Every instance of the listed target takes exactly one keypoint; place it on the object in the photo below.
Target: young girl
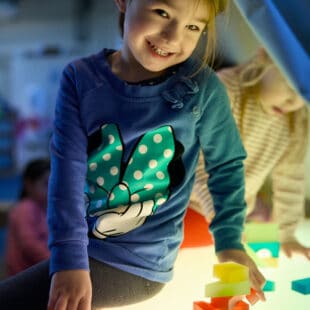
(27, 227)
(128, 129)
(273, 123)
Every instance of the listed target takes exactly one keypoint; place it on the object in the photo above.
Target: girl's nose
(172, 33)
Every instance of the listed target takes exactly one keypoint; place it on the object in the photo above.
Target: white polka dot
(135, 198)
(119, 148)
(122, 187)
(169, 129)
(161, 201)
(148, 187)
(111, 139)
(167, 153)
(130, 161)
(100, 181)
(143, 149)
(153, 163)
(114, 170)
(126, 183)
(157, 138)
(104, 126)
(112, 197)
(138, 175)
(160, 175)
(93, 166)
(106, 157)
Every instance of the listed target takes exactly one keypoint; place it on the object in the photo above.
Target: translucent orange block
(220, 302)
(231, 272)
(241, 305)
(252, 298)
(202, 305)
(221, 289)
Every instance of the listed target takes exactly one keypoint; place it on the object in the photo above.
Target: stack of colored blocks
(234, 280)
(228, 292)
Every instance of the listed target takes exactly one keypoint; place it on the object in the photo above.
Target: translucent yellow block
(221, 289)
(231, 272)
(272, 262)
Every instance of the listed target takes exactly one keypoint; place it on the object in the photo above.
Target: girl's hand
(70, 289)
(241, 257)
(295, 247)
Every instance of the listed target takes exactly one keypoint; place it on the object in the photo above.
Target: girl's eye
(161, 13)
(193, 28)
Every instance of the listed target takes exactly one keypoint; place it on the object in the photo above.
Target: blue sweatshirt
(123, 164)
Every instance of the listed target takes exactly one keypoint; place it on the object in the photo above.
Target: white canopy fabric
(283, 28)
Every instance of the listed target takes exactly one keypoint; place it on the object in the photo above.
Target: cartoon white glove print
(120, 196)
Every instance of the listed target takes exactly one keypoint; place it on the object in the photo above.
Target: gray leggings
(111, 287)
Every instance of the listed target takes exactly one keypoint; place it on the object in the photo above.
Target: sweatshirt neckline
(126, 89)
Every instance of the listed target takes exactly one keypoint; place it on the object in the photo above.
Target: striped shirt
(275, 149)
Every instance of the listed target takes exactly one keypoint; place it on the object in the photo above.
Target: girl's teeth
(159, 51)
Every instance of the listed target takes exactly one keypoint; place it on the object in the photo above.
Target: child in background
(273, 122)
(129, 125)
(27, 227)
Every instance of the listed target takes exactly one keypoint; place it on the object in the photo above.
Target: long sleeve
(223, 160)
(201, 199)
(288, 181)
(66, 213)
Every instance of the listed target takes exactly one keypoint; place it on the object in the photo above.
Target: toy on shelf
(231, 291)
(302, 286)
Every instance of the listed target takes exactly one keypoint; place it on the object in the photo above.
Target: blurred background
(37, 39)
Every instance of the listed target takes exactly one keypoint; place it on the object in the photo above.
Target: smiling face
(276, 96)
(159, 34)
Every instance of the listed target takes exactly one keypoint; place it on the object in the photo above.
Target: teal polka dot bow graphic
(120, 196)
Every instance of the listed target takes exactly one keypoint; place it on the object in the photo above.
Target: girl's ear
(121, 4)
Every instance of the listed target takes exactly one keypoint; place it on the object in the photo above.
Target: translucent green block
(273, 247)
(258, 261)
(269, 286)
(261, 232)
(220, 289)
(231, 272)
(301, 286)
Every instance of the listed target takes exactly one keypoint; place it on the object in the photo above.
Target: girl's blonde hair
(250, 76)
(215, 8)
